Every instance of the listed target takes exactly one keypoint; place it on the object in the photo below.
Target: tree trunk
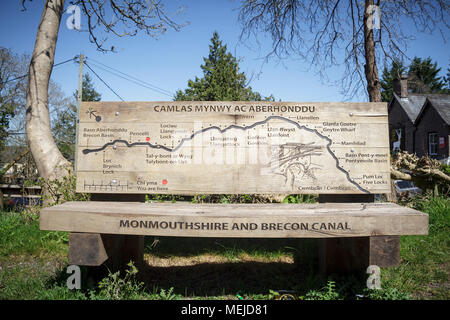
(370, 68)
(49, 161)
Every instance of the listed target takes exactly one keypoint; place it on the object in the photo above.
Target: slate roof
(412, 104)
(441, 103)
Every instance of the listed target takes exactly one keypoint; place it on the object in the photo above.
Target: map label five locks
(157, 147)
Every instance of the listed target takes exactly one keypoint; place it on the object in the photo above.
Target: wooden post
(79, 99)
(385, 251)
(352, 255)
(86, 249)
(115, 251)
(122, 249)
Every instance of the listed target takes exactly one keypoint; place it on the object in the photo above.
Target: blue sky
(175, 57)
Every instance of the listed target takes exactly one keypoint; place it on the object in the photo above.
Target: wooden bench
(337, 150)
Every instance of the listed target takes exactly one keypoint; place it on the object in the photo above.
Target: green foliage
(61, 190)
(328, 292)
(165, 295)
(388, 77)
(32, 280)
(424, 259)
(447, 79)
(113, 287)
(20, 234)
(88, 91)
(438, 209)
(64, 125)
(221, 80)
(6, 113)
(445, 168)
(423, 77)
(164, 197)
(273, 295)
(232, 198)
(442, 186)
(12, 86)
(386, 294)
(300, 198)
(63, 130)
(56, 236)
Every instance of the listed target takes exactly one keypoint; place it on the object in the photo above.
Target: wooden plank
(254, 147)
(33, 196)
(15, 186)
(323, 220)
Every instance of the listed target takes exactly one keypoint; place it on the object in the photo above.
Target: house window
(433, 143)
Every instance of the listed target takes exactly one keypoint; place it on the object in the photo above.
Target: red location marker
(164, 182)
(148, 138)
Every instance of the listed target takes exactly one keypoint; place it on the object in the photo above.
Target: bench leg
(122, 249)
(351, 255)
(354, 255)
(385, 251)
(343, 255)
(86, 249)
(115, 251)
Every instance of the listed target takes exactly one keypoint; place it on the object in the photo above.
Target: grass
(424, 269)
(20, 235)
(33, 266)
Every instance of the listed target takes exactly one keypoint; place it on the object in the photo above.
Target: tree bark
(370, 68)
(49, 161)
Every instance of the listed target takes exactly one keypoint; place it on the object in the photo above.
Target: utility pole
(79, 98)
(80, 82)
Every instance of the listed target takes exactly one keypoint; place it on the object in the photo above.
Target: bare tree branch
(318, 32)
(125, 18)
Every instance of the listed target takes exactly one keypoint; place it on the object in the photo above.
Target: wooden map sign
(233, 147)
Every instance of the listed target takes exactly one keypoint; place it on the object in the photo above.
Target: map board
(226, 147)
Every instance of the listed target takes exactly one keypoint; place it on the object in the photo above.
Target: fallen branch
(425, 171)
(398, 175)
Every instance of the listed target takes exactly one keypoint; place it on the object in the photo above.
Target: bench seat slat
(319, 220)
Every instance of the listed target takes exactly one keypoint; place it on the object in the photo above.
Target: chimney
(401, 86)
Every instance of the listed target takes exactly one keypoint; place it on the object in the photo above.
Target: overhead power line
(68, 60)
(111, 70)
(11, 80)
(26, 75)
(130, 78)
(87, 65)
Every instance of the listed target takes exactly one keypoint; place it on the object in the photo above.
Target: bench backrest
(226, 147)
